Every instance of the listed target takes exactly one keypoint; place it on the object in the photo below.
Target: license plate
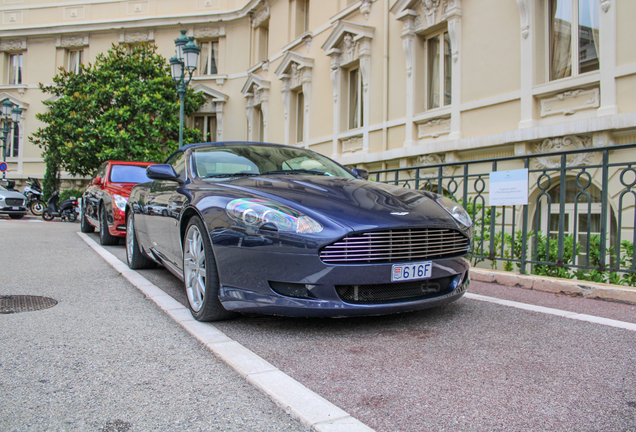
(15, 208)
(413, 271)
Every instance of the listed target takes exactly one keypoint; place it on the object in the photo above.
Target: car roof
(129, 163)
(236, 143)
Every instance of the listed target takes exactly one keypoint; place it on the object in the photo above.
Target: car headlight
(120, 201)
(260, 213)
(455, 210)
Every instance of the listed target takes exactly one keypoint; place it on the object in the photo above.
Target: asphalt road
(469, 366)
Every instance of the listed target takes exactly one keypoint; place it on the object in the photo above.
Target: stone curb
(311, 409)
(587, 289)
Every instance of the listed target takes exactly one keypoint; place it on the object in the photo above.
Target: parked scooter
(67, 209)
(33, 194)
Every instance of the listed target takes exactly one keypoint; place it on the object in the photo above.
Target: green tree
(122, 107)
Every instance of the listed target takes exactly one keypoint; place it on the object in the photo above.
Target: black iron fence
(579, 221)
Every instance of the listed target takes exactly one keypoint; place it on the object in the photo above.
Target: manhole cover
(24, 303)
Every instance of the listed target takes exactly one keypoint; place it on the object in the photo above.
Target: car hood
(362, 205)
(11, 194)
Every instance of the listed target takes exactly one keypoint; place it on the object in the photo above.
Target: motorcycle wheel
(72, 216)
(46, 216)
(37, 207)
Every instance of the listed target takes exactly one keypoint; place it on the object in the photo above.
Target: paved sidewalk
(105, 358)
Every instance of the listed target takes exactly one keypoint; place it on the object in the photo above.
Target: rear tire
(105, 239)
(47, 216)
(135, 257)
(200, 275)
(85, 227)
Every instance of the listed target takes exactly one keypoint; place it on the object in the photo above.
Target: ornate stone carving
(430, 11)
(570, 142)
(139, 36)
(452, 34)
(525, 20)
(352, 144)
(295, 75)
(569, 102)
(210, 32)
(605, 4)
(261, 16)
(72, 41)
(434, 128)
(431, 159)
(408, 44)
(12, 44)
(365, 8)
(307, 40)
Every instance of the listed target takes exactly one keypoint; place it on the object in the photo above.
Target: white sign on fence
(508, 188)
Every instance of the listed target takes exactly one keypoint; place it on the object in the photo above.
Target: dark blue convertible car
(266, 228)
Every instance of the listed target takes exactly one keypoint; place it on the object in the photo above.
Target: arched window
(582, 217)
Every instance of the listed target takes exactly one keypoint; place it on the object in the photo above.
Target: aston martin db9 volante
(274, 229)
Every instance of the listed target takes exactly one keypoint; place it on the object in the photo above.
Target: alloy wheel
(130, 239)
(194, 268)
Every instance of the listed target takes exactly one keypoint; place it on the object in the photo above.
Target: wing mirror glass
(362, 173)
(163, 172)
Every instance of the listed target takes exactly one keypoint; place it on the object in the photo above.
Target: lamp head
(16, 112)
(176, 68)
(191, 55)
(181, 42)
(6, 108)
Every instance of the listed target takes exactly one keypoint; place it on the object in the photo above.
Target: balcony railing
(579, 221)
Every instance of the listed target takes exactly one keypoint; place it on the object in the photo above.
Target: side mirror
(163, 172)
(362, 173)
(97, 181)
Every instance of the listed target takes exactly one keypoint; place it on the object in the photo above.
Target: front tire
(134, 256)
(47, 216)
(200, 275)
(105, 239)
(37, 207)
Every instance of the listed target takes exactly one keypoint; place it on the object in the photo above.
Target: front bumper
(246, 275)
(12, 211)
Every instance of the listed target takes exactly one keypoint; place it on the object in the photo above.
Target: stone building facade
(372, 83)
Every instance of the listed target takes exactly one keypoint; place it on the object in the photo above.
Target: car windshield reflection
(259, 160)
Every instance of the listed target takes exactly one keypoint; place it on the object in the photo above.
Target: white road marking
(312, 410)
(551, 311)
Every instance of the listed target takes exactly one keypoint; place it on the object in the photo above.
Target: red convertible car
(104, 200)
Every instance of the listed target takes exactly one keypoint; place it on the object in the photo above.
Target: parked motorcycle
(33, 194)
(67, 209)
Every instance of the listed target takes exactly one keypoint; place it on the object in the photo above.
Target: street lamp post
(182, 66)
(10, 113)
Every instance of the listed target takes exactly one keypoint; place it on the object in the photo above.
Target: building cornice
(136, 22)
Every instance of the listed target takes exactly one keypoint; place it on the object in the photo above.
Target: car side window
(178, 162)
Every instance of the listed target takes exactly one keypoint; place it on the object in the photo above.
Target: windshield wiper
(295, 171)
(239, 174)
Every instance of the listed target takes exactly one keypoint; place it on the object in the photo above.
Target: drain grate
(24, 303)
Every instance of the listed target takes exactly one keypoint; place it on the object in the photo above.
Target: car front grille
(395, 246)
(397, 291)
(14, 201)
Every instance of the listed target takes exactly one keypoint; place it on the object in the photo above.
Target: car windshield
(246, 160)
(2, 188)
(128, 174)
